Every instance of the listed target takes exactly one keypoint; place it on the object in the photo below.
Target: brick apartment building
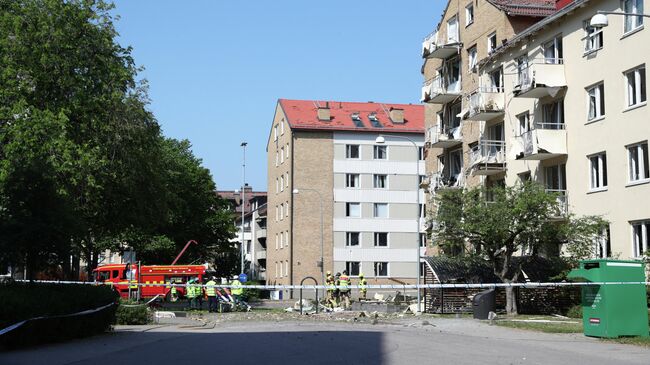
(328, 150)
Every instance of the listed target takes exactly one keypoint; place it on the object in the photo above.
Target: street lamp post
(600, 19)
(381, 140)
(243, 204)
(322, 263)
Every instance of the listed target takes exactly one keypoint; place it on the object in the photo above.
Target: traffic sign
(243, 278)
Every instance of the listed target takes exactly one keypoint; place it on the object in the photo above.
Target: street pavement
(410, 340)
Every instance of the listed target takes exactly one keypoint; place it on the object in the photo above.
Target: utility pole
(243, 204)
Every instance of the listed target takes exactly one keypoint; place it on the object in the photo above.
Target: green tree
(519, 220)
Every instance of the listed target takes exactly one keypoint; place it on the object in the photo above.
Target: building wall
(401, 226)
(620, 202)
(279, 240)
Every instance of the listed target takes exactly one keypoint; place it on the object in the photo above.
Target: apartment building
(573, 116)
(325, 162)
(254, 227)
(461, 153)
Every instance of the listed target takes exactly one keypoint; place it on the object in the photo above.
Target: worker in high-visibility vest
(190, 293)
(331, 288)
(199, 293)
(173, 293)
(211, 292)
(344, 290)
(363, 287)
(236, 290)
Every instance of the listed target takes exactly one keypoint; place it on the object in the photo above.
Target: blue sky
(216, 68)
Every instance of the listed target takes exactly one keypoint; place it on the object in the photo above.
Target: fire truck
(125, 278)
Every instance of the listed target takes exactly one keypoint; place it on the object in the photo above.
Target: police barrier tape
(382, 286)
(19, 324)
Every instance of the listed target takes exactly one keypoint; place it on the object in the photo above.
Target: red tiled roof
(303, 114)
(535, 8)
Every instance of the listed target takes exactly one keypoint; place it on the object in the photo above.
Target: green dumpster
(613, 310)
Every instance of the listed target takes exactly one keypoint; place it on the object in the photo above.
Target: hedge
(21, 301)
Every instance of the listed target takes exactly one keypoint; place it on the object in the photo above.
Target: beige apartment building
(468, 32)
(572, 115)
(327, 153)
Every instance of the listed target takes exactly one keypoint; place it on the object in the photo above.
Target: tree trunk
(511, 301)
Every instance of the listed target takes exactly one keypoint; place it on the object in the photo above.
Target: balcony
(453, 180)
(488, 157)
(486, 103)
(545, 78)
(444, 137)
(562, 210)
(431, 48)
(547, 140)
(439, 91)
(260, 255)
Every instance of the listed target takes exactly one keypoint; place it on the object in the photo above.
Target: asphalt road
(409, 341)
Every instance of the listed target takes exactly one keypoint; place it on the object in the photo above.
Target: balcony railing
(562, 209)
(547, 140)
(432, 48)
(452, 180)
(541, 78)
(439, 91)
(445, 137)
(488, 157)
(486, 103)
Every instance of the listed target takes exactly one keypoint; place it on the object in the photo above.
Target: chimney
(324, 112)
(397, 115)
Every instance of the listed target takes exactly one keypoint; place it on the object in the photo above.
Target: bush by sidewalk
(22, 301)
(129, 312)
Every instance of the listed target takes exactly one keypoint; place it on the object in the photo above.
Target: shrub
(21, 301)
(575, 312)
(137, 315)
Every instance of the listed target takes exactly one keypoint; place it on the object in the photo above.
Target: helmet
(235, 277)
(213, 277)
(338, 274)
(345, 272)
(361, 275)
(329, 272)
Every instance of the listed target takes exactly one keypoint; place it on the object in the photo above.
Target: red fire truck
(125, 278)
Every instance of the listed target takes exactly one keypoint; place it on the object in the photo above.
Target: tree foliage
(83, 163)
(500, 222)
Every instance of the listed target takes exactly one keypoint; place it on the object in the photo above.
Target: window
(286, 180)
(351, 180)
(553, 51)
(380, 181)
(423, 240)
(353, 210)
(282, 211)
(604, 244)
(598, 168)
(277, 158)
(524, 177)
(276, 269)
(452, 76)
(353, 268)
(352, 151)
(596, 101)
(282, 183)
(492, 42)
(640, 238)
(381, 239)
(281, 127)
(380, 153)
(471, 58)
(286, 268)
(277, 213)
(552, 115)
(421, 153)
(277, 185)
(522, 71)
(469, 14)
(275, 132)
(422, 210)
(281, 274)
(453, 118)
(524, 123)
(286, 151)
(638, 162)
(287, 208)
(593, 37)
(352, 239)
(496, 83)
(633, 22)
(635, 86)
(381, 268)
(281, 240)
(452, 30)
(555, 177)
(282, 155)
(380, 210)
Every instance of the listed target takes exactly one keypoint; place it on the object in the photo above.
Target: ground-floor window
(640, 237)
(381, 268)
